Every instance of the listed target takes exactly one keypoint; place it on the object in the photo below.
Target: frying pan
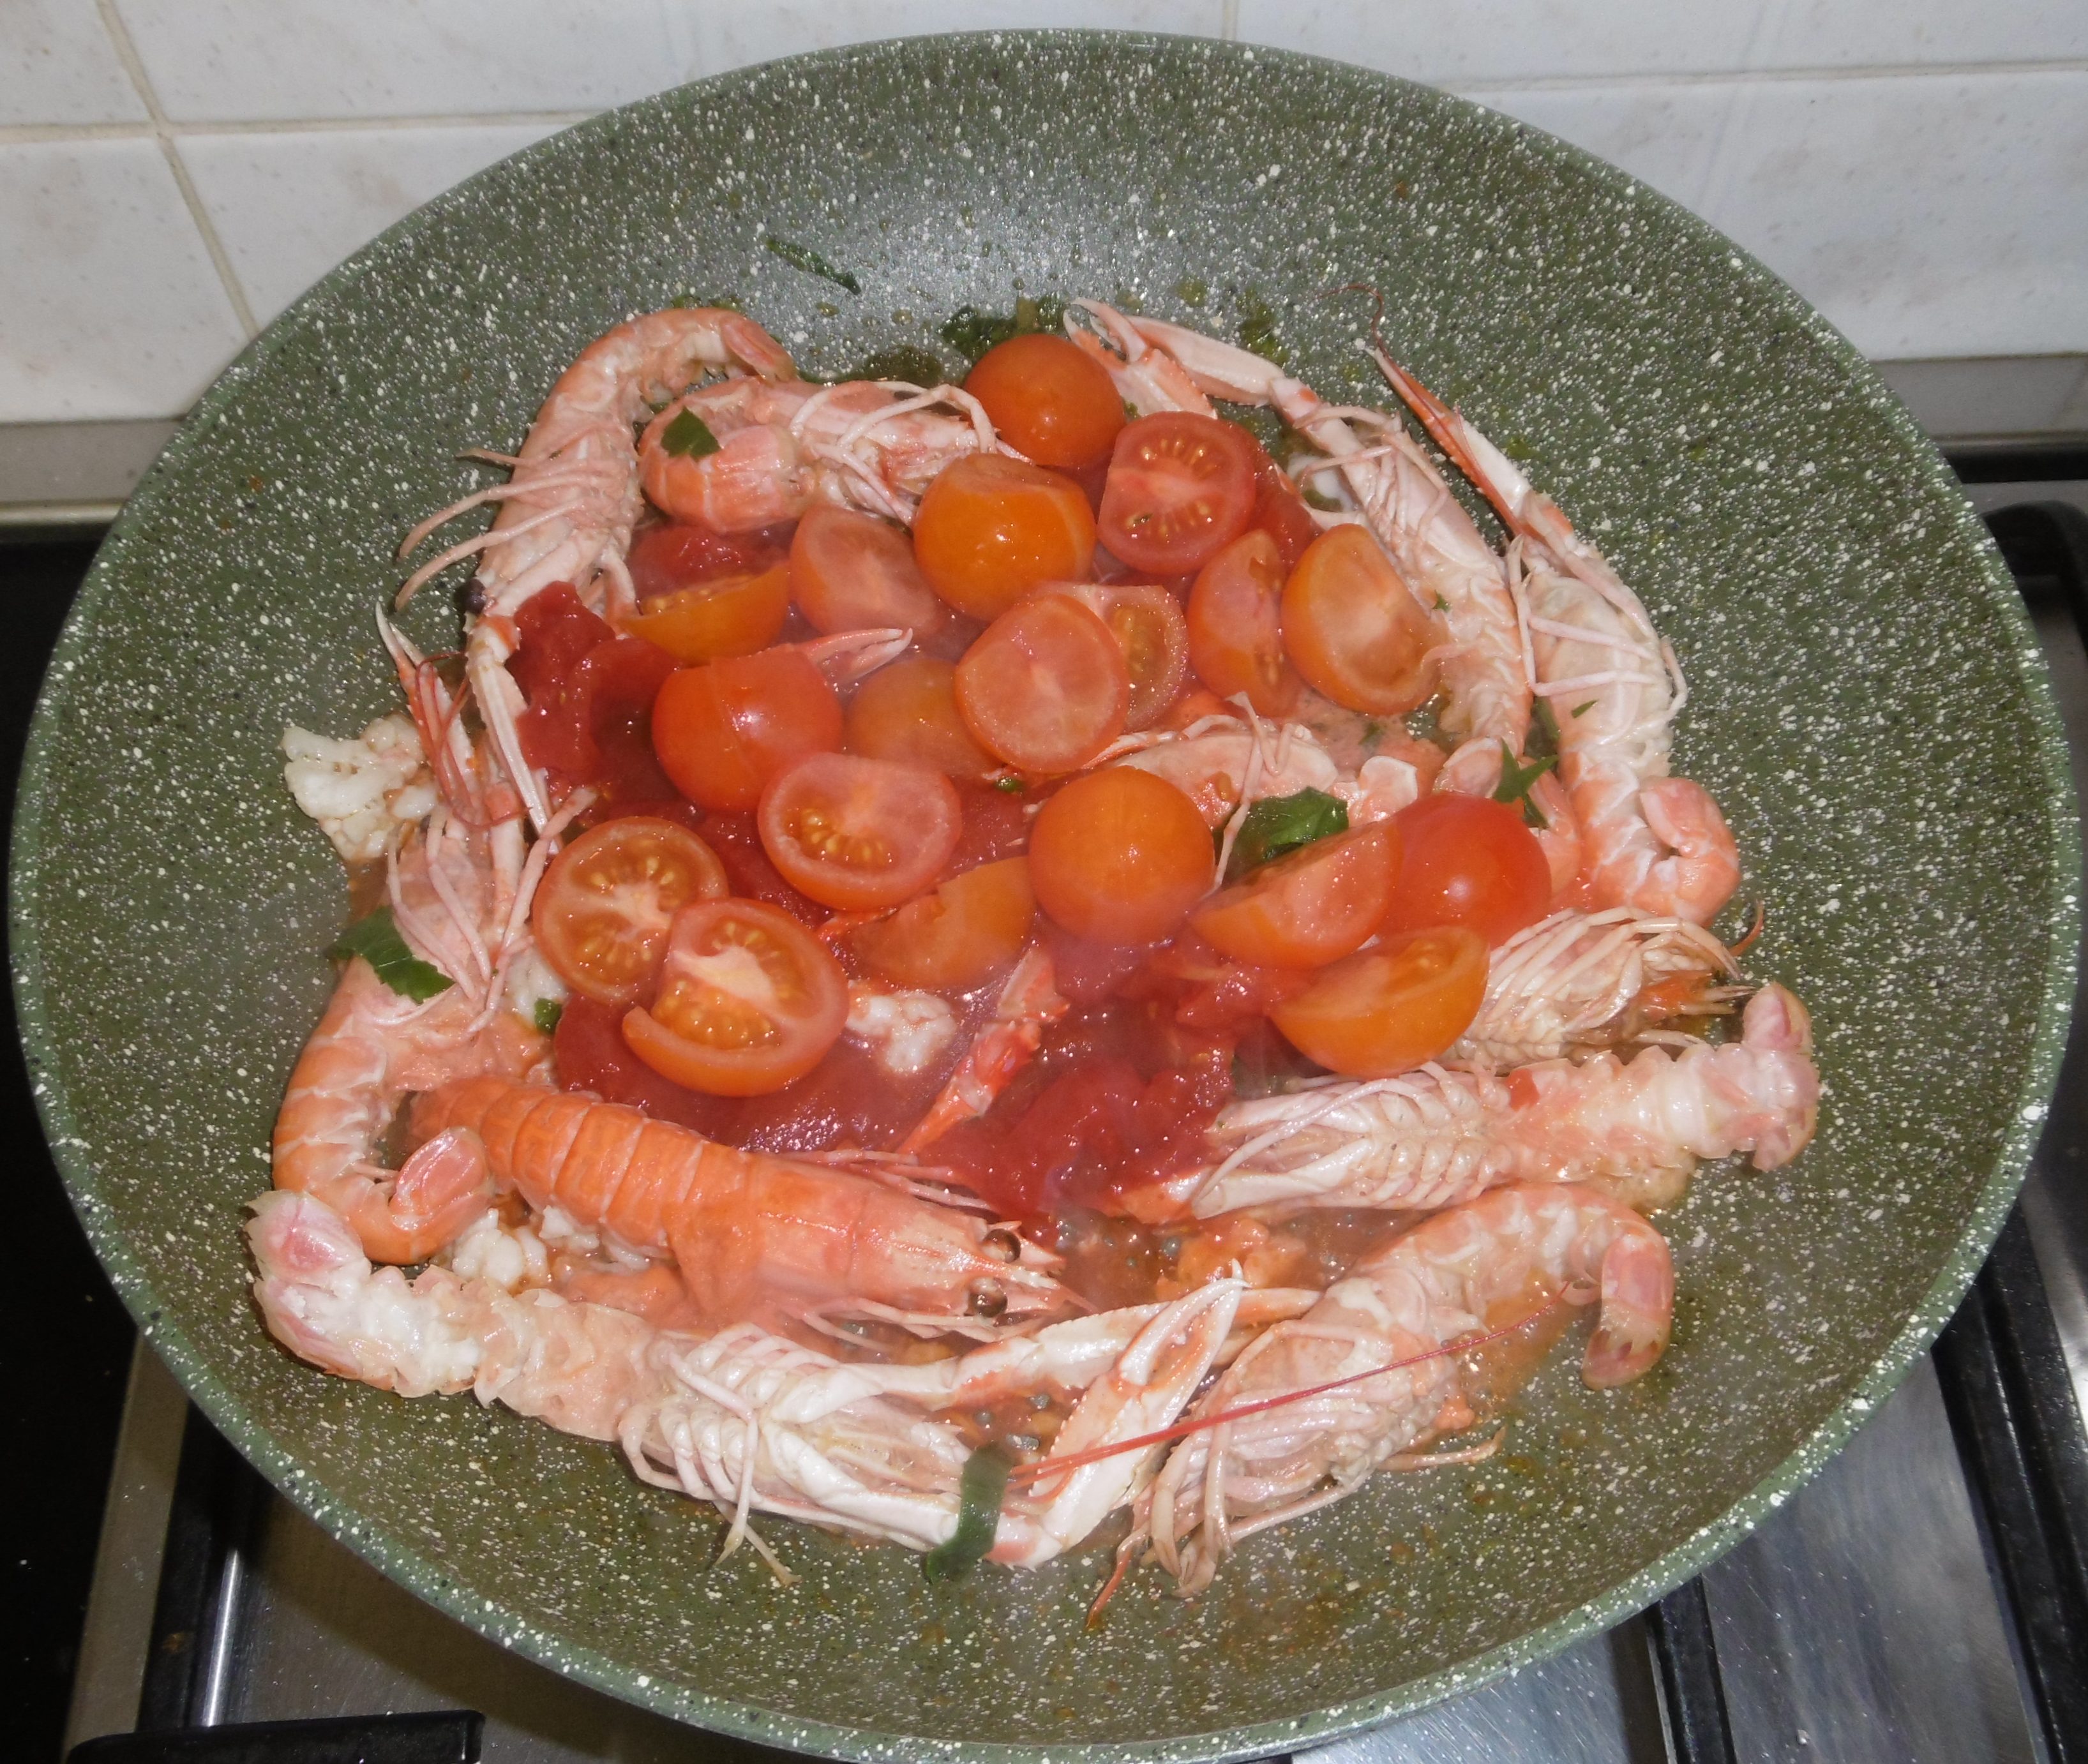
(1868, 704)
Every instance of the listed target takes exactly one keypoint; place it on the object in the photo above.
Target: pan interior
(1866, 704)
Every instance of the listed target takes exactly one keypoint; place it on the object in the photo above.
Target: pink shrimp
(1029, 1002)
(1397, 493)
(1437, 1137)
(748, 1230)
(1460, 1273)
(1615, 688)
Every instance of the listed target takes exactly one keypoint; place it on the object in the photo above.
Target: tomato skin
(1236, 626)
(723, 730)
(748, 1000)
(907, 711)
(1181, 488)
(853, 572)
(958, 937)
(724, 616)
(603, 908)
(667, 558)
(1353, 629)
(991, 528)
(1044, 688)
(857, 834)
(1120, 856)
(1146, 621)
(1384, 1010)
(1310, 907)
(1048, 398)
(1471, 862)
(1280, 512)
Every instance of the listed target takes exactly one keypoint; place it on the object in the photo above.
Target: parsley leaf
(800, 257)
(1516, 780)
(546, 1013)
(1013, 786)
(979, 1490)
(688, 436)
(1278, 824)
(1580, 709)
(377, 941)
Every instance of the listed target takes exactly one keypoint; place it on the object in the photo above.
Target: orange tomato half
(1120, 856)
(853, 572)
(991, 528)
(748, 1000)
(907, 711)
(1045, 687)
(1384, 1010)
(1353, 629)
(729, 616)
(1310, 907)
(958, 937)
(1236, 626)
(722, 730)
(602, 911)
(858, 834)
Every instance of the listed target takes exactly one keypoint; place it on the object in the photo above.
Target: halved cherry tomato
(748, 1000)
(723, 730)
(1236, 626)
(1181, 488)
(991, 528)
(725, 615)
(957, 937)
(1384, 1010)
(853, 572)
(1353, 629)
(1119, 856)
(907, 711)
(1046, 687)
(1468, 862)
(1280, 512)
(603, 908)
(1310, 907)
(1146, 621)
(664, 559)
(859, 834)
(1049, 399)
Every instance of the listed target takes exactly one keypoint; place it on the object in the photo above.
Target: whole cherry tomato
(991, 528)
(1048, 398)
(723, 730)
(1119, 856)
(1469, 862)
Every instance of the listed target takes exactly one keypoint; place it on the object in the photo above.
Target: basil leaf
(1278, 824)
(377, 941)
(979, 1490)
(1515, 781)
(689, 437)
(971, 332)
(803, 258)
(1013, 786)
(546, 1013)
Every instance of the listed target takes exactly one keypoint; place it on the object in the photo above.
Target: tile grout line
(134, 65)
(23, 132)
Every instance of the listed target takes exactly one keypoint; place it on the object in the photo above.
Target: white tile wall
(1918, 169)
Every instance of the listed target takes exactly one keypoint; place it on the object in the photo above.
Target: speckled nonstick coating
(1868, 703)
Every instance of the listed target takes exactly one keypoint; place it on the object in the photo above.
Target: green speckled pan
(1868, 703)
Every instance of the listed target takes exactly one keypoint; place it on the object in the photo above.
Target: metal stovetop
(1923, 1598)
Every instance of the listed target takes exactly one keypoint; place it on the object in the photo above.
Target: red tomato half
(1468, 862)
(1236, 626)
(723, 616)
(723, 730)
(1384, 1009)
(1049, 399)
(1181, 487)
(1046, 687)
(1280, 512)
(958, 937)
(602, 911)
(1310, 907)
(853, 572)
(748, 1000)
(1353, 629)
(859, 834)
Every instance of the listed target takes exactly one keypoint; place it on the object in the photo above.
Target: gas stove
(1924, 1598)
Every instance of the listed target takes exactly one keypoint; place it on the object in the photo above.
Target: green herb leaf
(1278, 824)
(546, 1013)
(971, 332)
(1319, 499)
(1257, 329)
(1373, 732)
(803, 258)
(1544, 732)
(979, 1492)
(377, 941)
(689, 436)
(1442, 605)
(1013, 786)
(1579, 709)
(1516, 780)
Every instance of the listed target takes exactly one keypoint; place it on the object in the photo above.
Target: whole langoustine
(745, 1227)
(1464, 1271)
